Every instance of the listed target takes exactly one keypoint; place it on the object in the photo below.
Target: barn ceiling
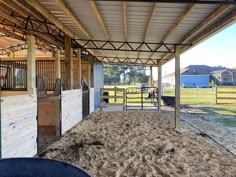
(116, 32)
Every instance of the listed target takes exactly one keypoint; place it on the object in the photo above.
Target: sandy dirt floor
(141, 144)
(225, 135)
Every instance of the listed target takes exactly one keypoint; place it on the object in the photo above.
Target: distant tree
(127, 75)
(111, 74)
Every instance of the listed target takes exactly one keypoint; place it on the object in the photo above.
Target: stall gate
(49, 113)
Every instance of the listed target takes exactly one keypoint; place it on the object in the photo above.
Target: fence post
(216, 94)
(142, 99)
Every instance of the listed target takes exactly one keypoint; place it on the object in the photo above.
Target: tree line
(118, 74)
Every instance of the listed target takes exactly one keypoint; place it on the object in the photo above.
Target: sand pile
(140, 144)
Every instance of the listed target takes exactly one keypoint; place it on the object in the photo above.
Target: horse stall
(18, 110)
(32, 121)
(49, 103)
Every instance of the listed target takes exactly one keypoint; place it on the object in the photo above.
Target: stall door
(49, 113)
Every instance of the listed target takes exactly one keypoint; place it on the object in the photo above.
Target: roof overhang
(118, 32)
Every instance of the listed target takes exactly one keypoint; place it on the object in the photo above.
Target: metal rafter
(128, 46)
(25, 11)
(12, 33)
(127, 60)
(26, 26)
(129, 64)
(101, 22)
(178, 22)
(39, 8)
(25, 20)
(72, 16)
(203, 23)
(175, 26)
(13, 49)
(153, 12)
(23, 46)
(206, 21)
(227, 19)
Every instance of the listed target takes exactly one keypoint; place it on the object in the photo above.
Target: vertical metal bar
(142, 99)
(115, 94)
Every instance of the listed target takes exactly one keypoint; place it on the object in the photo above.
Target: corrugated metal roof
(144, 22)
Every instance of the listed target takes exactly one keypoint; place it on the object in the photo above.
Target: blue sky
(219, 49)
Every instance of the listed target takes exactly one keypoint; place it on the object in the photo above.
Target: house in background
(224, 77)
(193, 76)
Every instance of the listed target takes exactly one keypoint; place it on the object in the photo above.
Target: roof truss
(128, 46)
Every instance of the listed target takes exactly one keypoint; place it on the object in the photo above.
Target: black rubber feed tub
(36, 167)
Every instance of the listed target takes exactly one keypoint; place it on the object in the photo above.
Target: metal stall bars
(13, 75)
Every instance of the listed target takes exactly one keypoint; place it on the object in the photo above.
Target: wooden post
(159, 86)
(31, 68)
(151, 81)
(68, 64)
(79, 66)
(58, 65)
(177, 86)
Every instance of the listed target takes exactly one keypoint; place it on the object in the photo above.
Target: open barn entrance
(49, 113)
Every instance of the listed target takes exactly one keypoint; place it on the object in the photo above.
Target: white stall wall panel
(71, 104)
(19, 126)
(91, 100)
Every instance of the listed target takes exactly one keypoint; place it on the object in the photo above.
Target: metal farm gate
(141, 98)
